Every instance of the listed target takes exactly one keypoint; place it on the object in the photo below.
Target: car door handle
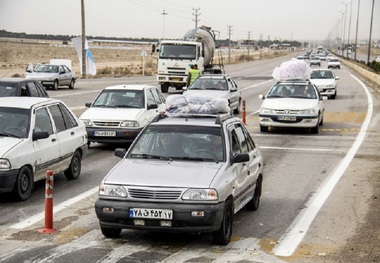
(53, 140)
(72, 133)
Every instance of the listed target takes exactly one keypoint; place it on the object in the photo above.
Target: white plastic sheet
(292, 70)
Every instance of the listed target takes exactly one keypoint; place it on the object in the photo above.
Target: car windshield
(120, 99)
(321, 74)
(46, 68)
(205, 83)
(292, 91)
(7, 90)
(188, 143)
(14, 122)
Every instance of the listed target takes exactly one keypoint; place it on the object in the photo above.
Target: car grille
(107, 123)
(287, 111)
(154, 194)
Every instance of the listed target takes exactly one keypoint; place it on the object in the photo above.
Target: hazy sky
(274, 19)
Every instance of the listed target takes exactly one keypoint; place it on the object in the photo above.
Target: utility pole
(357, 25)
(344, 31)
(196, 20)
(370, 34)
(249, 41)
(349, 28)
(83, 42)
(163, 26)
(229, 43)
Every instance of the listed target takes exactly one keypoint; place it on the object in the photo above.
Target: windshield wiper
(8, 134)
(148, 156)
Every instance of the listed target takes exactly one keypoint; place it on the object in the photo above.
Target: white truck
(176, 56)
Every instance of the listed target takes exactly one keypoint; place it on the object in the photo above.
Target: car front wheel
(24, 184)
(223, 235)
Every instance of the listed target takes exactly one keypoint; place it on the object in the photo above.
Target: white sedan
(326, 81)
(292, 104)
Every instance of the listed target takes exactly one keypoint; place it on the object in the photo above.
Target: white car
(52, 76)
(377, 59)
(333, 63)
(326, 81)
(292, 104)
(120, 112)
(217, 86)
(315, 60)
(38, 134)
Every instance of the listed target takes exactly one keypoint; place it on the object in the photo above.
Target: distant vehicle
(176, 56)
(292, 104)
(217, 86)
(38, 134)
(333, 63)
(185, 173)
(377, 59)
(315, 60)
(119, 113)
(21, 87)
(52, 76)
(326, 82)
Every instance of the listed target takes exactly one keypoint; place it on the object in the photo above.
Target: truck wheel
(24, 184)
(223, 235)
(164, 87)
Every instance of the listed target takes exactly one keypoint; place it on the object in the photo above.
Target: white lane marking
(300, 149)
(255, 85)
(40, 216)
(75, 93)
(289, 242)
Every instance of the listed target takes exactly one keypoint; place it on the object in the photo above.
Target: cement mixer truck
(176, 56)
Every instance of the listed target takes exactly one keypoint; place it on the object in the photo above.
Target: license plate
(151, 213)
(176, 79)
(105, 133)
(287, 118)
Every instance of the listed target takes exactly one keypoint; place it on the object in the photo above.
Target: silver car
(183, 174)
(53, 76)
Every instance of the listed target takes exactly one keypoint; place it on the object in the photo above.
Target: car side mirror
(240, 158)
(88, 104)
(40, 135)
(152, 106)
(262, 97)
(120, 152)
(337, 77)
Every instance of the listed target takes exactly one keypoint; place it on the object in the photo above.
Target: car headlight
(87, 122)
(330, 86)
(308, 111)
(112, 190)
(5, 164)
(129, 124)
(201, 195)
(267, 111)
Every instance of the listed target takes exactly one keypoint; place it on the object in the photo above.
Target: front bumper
(271, 120)
(182, 220)
(122, 135)
(7, 180)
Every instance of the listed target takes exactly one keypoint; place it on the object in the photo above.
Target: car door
(46, 150)
(247, 172)
(64, 78)
(68, 135)
(153, 99)
(234, 93)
